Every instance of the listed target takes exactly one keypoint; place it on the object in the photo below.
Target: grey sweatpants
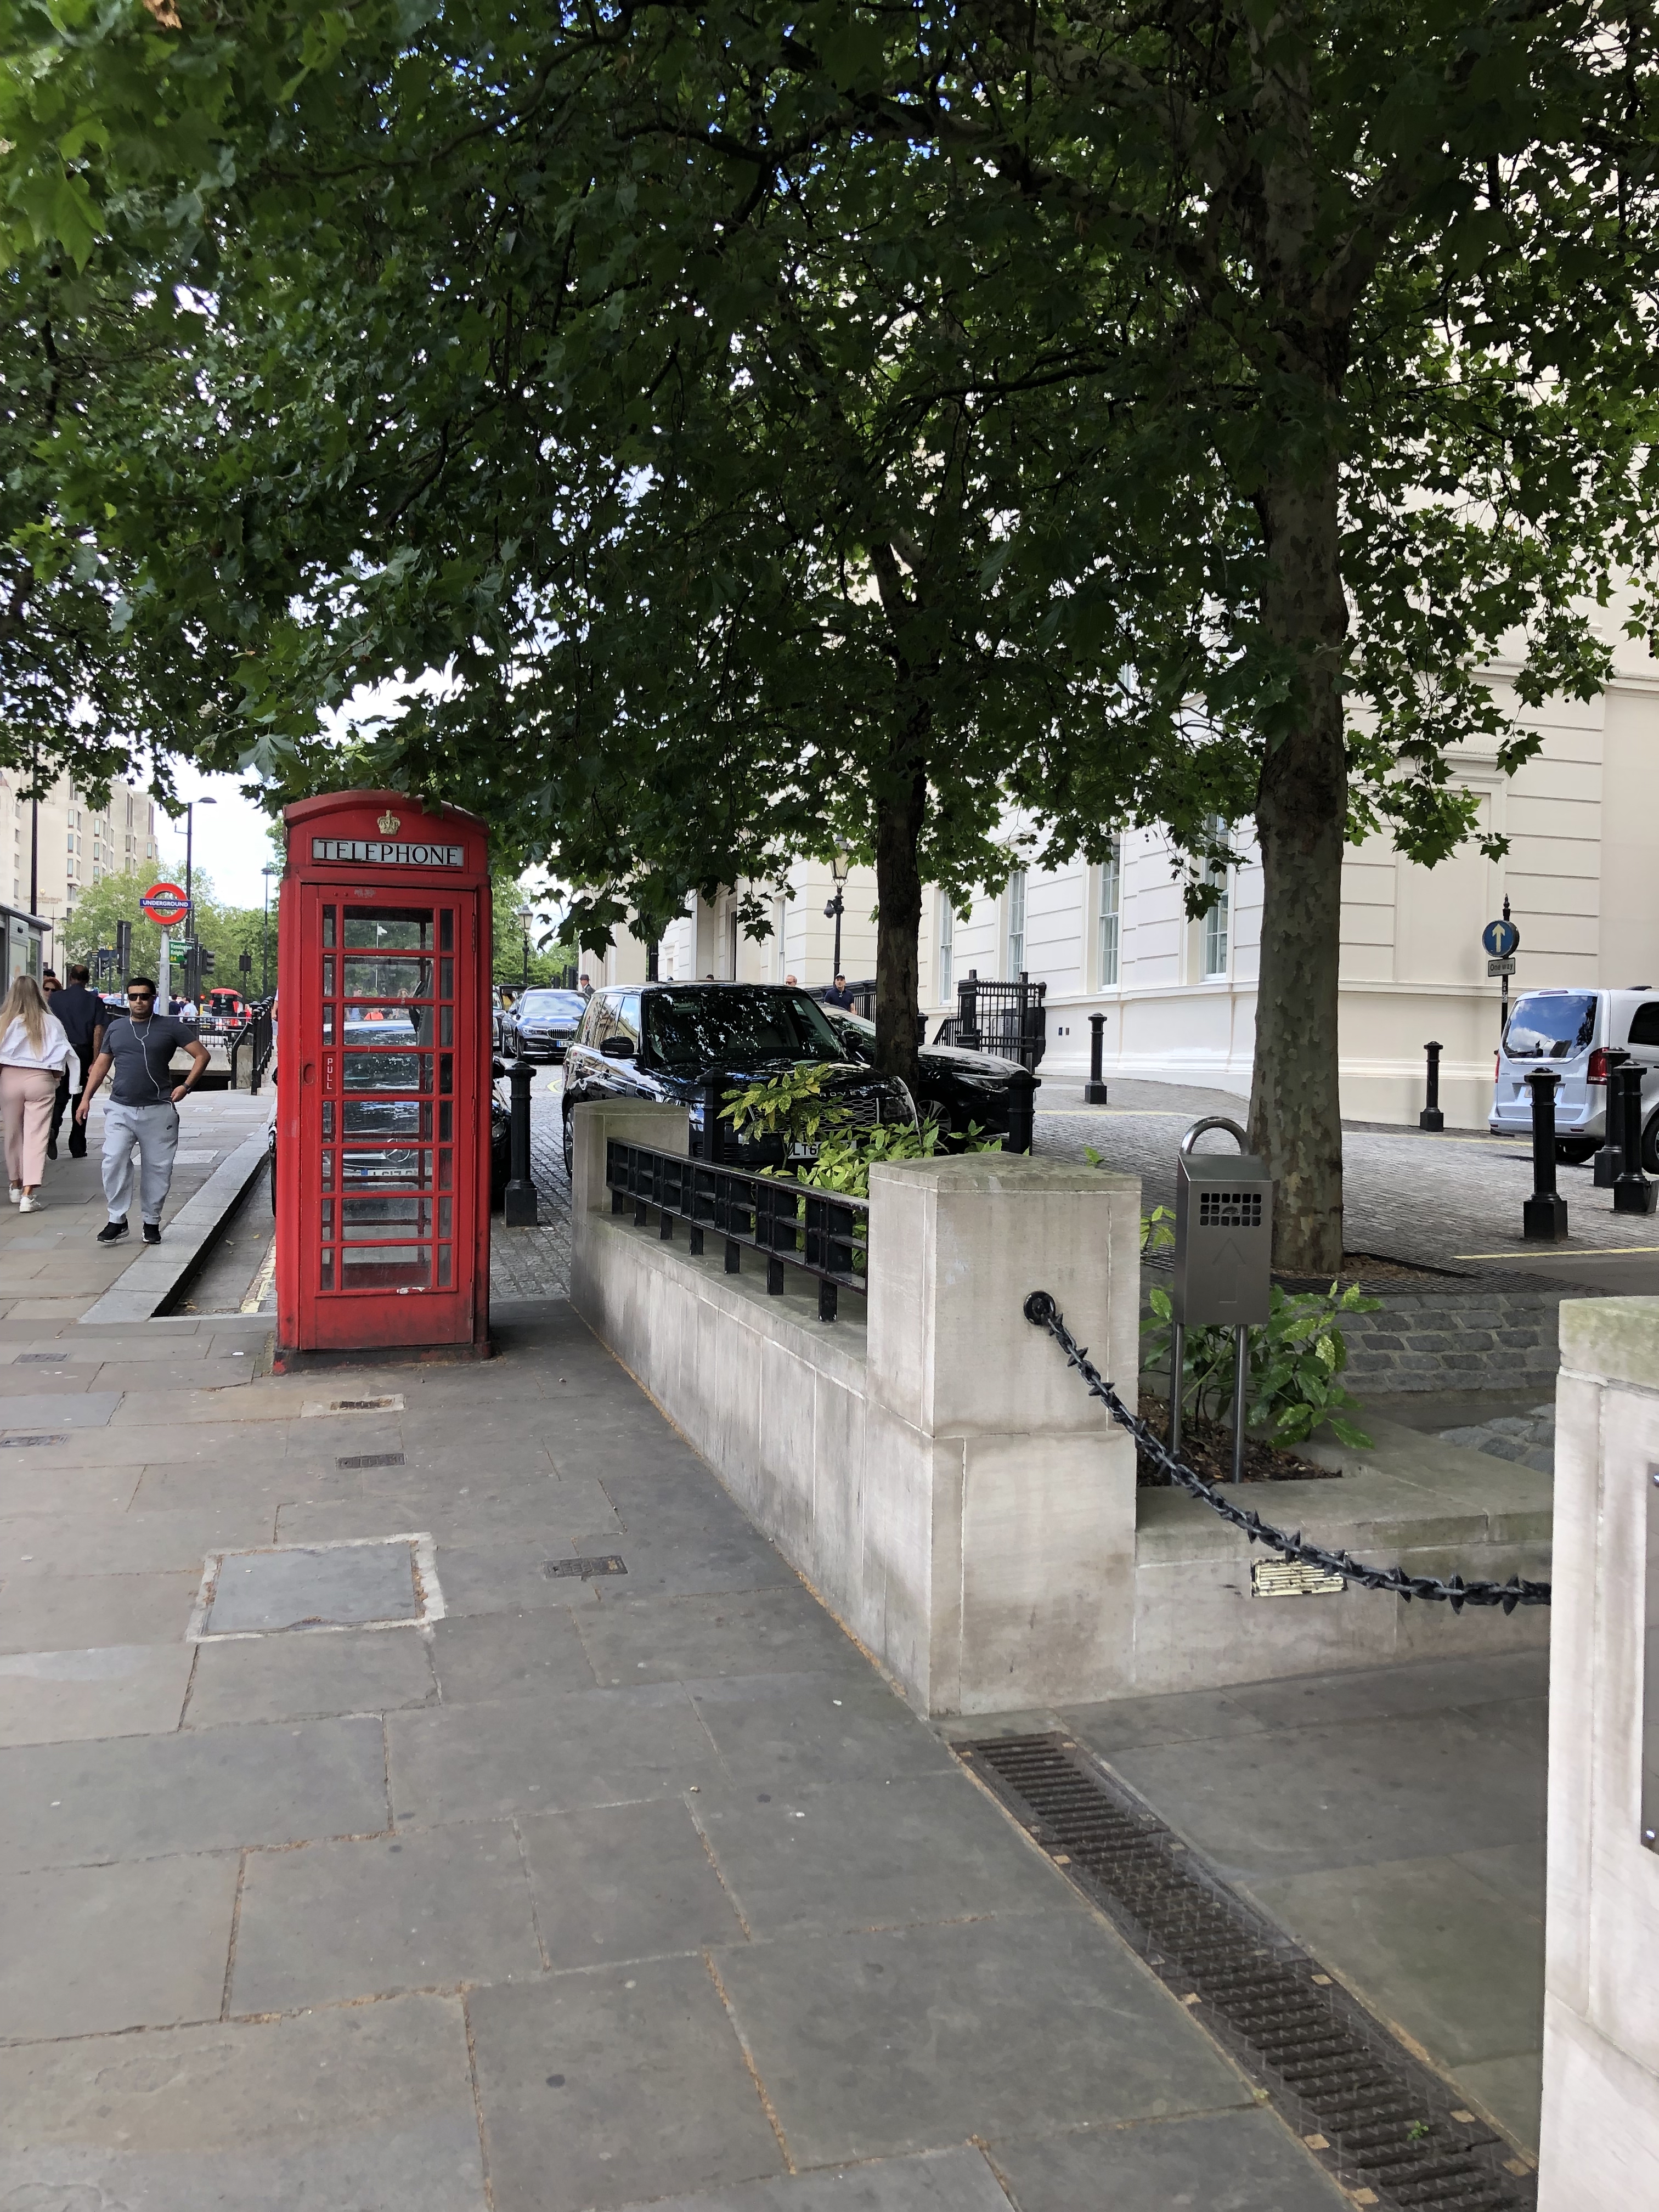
(154, 1130)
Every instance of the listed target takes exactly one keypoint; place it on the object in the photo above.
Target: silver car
(542, 1024)
(1572, 1031)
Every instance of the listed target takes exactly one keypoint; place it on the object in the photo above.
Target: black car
(664, 1041)
(541, 1024)
(965, 1090)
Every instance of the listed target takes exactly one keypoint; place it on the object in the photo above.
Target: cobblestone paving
(1445, 1201)
(535, 1263)
(1528, 1439)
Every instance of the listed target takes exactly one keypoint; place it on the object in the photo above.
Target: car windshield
(707, 1028)
(1551, 1025)
(551, 1005)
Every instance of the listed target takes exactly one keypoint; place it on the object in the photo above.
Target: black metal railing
(1008, 1019)
(255, 1035)
(823, 1233)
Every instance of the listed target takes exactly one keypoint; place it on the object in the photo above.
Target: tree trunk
(901, 801)
(1300, 814)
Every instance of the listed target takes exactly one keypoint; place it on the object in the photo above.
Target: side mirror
(617, 1048)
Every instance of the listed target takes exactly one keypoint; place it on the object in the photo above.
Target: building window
(1016, 923)
(1111, 907)
(1216, 920)
(947, 926)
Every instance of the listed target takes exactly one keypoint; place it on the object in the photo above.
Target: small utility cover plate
(1291, 1578)
(607, 1563)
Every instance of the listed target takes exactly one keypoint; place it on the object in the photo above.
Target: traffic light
(245, 964)
(204, 960)
(122, 950)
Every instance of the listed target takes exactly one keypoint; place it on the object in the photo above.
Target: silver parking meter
(1222, 1258)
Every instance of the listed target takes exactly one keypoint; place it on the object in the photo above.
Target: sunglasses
(143, 998)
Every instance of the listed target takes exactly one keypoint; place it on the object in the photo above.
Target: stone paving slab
(615, 2084)
(138, 1797)
(587, 1748)
(509, 1655)
(37, 1409)
(280, 1678)
(366, 2109)
(615, 1882)
(1229, 2162)
(684, 1639)
(67, 1697)
(937, 2181)
(430, 1910)
(80, 1613)
(874, 1855)
(872, 2045)
(784, 1730)
(98, 1950)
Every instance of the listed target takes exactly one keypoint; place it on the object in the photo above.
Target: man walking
(82, 1012)
(139, 1046)
(840, 996)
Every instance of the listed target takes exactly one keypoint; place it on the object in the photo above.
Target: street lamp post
(270, 870)
(525, 919)
(193, 960)
(839, 868)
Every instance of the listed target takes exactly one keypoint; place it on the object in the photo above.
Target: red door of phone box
(382, 1078)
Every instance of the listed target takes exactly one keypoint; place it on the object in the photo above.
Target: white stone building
(74, 843)
(1582, 875)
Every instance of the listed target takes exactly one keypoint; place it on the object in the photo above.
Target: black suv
(965, 1090)
(664, 1041)
(540, 1025)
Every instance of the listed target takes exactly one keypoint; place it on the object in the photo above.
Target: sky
(232, 837)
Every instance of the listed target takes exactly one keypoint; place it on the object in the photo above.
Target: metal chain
(1042, 1311)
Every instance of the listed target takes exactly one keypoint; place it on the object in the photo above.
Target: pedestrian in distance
(839, 995)
(83, 1015)
(585, 984)
(35, 1050)
(790, 979)
(139, 1046)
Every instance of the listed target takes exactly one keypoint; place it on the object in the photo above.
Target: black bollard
(1544, 1216)
(1633, 1192)
(1610, 1160)
(1021, 1090)
(519, 1203)
(1094, 1091)
(1431, 1117)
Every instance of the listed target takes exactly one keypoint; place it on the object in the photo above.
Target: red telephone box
(382, 1078)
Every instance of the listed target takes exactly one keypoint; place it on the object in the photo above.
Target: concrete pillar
(634, 1121)
(1000, 1498)
(1600, 2144)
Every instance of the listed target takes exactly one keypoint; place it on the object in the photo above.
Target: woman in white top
(34, 1051)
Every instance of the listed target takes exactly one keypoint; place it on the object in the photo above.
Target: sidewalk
(590, 1892)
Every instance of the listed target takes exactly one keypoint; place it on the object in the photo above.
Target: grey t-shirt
(143, 1052)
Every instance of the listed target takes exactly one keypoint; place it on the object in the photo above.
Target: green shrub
(794, 1106)
(1292, 1385)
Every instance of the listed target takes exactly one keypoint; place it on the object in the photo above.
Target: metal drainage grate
(372, 1459)
(1382, 2123)
(18, 1444)
(39, 1359)
(607, 1563)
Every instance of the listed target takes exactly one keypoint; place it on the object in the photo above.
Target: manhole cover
(606, 1562)
(383, 1582)
(372, 1459)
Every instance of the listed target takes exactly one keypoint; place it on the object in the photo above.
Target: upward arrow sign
(1224, 1267)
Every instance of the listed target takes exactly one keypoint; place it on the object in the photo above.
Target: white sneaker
(26, 1205)
(17, 1194)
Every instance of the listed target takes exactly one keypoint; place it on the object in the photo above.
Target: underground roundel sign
(165, 905)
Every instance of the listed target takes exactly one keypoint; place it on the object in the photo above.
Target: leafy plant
(1294, 1361)
(795, 1107)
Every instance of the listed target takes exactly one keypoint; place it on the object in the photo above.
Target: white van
(1573, 1031)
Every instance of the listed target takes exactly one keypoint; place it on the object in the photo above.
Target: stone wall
(1482, 1336)
(1600, 2145)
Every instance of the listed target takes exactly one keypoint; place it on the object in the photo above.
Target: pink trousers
(26, 1100)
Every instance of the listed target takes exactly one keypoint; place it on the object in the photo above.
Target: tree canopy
(1221, 391)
